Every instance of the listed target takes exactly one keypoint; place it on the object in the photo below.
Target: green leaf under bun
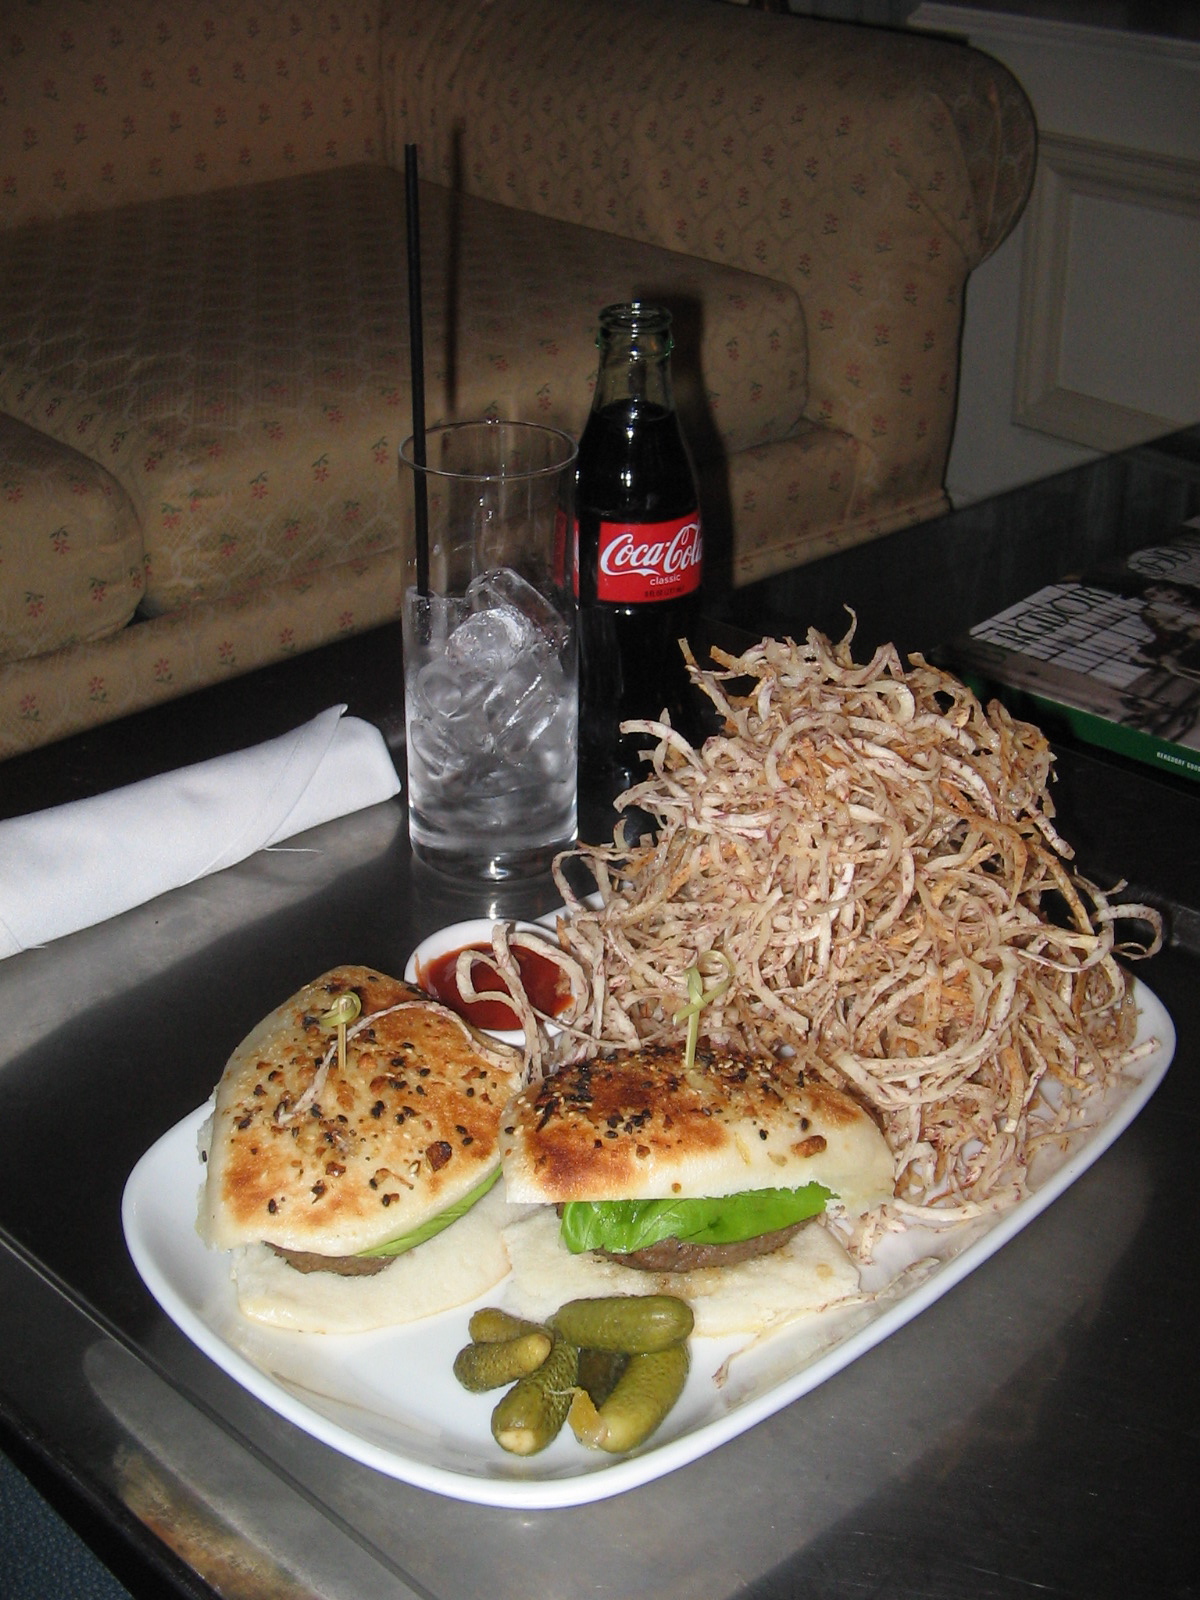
(627, 1225)
(434, 1225)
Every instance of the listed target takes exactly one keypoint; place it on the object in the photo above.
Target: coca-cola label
(647, 561)
(558, 556)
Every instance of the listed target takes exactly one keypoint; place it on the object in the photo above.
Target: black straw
(416, 351)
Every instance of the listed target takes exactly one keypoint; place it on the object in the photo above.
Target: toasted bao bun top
(308, 1157)
(640, 1125)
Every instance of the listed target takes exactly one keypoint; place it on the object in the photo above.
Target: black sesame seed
(548, 1110)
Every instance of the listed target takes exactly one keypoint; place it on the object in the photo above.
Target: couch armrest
(870, 170)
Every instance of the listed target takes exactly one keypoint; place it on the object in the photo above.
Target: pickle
(635, 1323)
(529, 1416)
(599, 1371)
(645, 1393)
(487, 1366)
(490, 1325)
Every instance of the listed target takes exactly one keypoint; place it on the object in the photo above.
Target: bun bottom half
(451, 1269)
(808, 1274)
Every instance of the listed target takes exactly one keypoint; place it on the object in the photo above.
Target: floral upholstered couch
(203, 348)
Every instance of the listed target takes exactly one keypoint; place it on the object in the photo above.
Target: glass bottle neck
(635, 358)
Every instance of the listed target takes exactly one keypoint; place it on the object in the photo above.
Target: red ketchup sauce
(544, 983)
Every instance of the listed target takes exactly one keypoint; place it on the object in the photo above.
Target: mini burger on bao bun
(655, 1174)
(358, 1189)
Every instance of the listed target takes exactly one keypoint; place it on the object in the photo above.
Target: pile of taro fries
(861, 871)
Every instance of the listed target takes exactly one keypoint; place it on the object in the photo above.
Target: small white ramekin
(457, 936)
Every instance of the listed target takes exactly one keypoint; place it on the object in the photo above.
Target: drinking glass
(490, 651)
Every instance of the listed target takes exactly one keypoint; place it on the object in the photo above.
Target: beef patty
(681, 1255)
(344, 1266)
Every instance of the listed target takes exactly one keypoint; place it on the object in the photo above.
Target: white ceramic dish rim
(192, 1286)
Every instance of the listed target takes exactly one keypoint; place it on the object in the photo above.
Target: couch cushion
(158, 658)
(239, 359)
(70, 546)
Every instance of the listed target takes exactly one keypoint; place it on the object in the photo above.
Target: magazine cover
(1116, 654)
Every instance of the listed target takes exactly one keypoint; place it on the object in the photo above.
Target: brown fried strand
(873, 851)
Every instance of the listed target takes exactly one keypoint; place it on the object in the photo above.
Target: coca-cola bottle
(639, 555)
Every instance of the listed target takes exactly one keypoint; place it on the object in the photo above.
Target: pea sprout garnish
(343, 1010)
(699, 997)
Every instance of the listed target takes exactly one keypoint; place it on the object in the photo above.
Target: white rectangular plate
(389, 1399)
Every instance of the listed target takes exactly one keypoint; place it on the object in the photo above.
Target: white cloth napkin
(78, 864)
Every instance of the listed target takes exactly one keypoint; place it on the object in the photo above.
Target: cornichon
(529, 1416)
(599, 1371)
(490, 1325)
(635, 1323)
(645, 1392)
(490, 1364)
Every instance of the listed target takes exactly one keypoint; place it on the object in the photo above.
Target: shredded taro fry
(870, 852)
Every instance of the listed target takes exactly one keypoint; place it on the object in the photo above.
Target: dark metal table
(1034, 1431)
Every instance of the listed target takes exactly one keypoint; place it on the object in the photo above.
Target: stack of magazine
(1115, 655)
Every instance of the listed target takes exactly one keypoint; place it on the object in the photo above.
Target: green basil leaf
(626, 1225)
(433, 1225)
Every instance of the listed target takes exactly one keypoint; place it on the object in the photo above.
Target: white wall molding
(1102, 309)
(1055, 247)
(986, 28)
